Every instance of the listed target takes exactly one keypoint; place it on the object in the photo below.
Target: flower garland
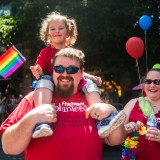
(131, 142)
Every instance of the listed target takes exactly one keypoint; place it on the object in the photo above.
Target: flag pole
(19, 52)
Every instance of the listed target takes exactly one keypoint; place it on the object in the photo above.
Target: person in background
(20, 97)
(75, 135)
(144, 136)
(2, 107)
(58, 32)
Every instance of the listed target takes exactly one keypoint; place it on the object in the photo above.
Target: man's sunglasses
(69, 70)
(149, 81)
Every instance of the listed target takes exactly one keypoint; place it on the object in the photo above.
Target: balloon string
(139, 74)
(145, 33)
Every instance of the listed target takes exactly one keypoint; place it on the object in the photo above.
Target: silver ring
(96, 115)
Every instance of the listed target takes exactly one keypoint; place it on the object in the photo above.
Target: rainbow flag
(10, 61)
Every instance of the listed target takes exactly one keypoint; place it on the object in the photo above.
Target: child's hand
(36, 71)
(96, 79)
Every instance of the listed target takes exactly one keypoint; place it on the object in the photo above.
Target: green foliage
(7, 29)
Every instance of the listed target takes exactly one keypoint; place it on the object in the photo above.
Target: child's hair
(69, 23)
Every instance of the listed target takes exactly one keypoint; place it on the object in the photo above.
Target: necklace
(131, 143)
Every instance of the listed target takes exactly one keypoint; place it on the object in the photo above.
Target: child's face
(57, 33)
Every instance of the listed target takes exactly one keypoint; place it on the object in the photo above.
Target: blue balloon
(145, 22)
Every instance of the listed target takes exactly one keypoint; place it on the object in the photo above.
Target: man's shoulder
(29, 97)
(80, 94)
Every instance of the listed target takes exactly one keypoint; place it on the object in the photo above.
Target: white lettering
(71, 106)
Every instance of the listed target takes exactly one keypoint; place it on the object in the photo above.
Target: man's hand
(99, 111)
(44, 113)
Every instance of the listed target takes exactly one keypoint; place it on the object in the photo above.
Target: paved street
(109, 153)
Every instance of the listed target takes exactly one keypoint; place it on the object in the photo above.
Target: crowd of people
(67, 119)
(8, 104)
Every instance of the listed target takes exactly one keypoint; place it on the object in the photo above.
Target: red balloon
(135, 47)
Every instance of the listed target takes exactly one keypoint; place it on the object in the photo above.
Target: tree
(7, 29)
(104, 26)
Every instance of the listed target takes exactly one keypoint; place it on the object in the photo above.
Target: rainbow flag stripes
(10, 61)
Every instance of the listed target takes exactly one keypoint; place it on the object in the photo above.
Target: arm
(96, 79)
(92, 92)
(103, 110)
(17, 137)
(129, 126)
(93, 97)
(36, 71)
(42, 62)
(118, 136)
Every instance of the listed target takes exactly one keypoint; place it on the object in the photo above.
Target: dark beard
(64, 92)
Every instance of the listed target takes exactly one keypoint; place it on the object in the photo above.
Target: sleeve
(90, 86)
(42, 59)
(24, 106)
(45, 81)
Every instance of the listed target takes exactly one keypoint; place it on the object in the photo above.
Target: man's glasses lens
(69, 70)
(149, 81)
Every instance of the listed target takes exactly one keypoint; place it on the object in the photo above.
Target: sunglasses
(149, 81)
(69, 70)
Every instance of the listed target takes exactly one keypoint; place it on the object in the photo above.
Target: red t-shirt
(146, 150)
(44, 59)
(74, 137)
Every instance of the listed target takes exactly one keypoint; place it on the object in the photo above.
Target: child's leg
(92, 92)
(44, 91)
(108, 124)
(43, 95)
